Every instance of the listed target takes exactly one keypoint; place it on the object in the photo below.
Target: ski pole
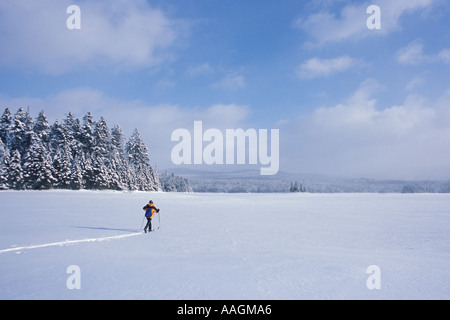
(142, 224)
(159, 220)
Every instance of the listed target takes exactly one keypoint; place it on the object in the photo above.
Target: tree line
(72, 154)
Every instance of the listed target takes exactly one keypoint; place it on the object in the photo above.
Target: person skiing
(150, 211)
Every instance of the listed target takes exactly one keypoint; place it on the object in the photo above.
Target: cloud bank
(358, 138)
(114, 34)
(315, 67)
(413, 54)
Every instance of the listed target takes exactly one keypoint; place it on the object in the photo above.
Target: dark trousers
(148, 225)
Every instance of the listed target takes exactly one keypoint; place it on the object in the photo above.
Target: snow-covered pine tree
(62, 163)
(61, 155)
(38, 172)
(117, 138)
(100, 174)
(42, 129)
(73, 134)
(87, 172)
(2, 151)
(119, 165)
(5, 124)
(4, 160)
(101, 152)
(143, 176)
(173, 183)
(102, 139)
(20, 132)
(57, 138)
(87, 133)
(297, 187)
(15, 172)
(77, 170)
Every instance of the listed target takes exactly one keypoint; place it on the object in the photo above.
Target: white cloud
(414, 83)
(358, 138)
(350, 22)
(392, 11)
(315, 67)
(230, 82)
(414, 54)
(200, 70)
(115, 34)
(444, 56)
(411, 54)
(225, 78)
(325, 27)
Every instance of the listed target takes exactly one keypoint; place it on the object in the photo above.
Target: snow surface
(224, 246)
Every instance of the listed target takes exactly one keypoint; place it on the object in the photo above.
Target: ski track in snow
(69, 242)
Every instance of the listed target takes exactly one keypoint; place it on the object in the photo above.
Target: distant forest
(75, 154)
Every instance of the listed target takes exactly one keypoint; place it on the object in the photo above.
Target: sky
(347, 100)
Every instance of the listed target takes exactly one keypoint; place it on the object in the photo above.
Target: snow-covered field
(224, 246)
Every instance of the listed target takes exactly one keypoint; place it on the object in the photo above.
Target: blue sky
(348, 101)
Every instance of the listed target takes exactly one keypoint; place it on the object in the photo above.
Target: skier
(150, 211)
